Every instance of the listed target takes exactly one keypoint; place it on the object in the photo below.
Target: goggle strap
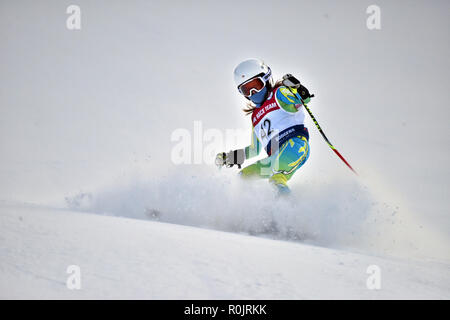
(267, 75)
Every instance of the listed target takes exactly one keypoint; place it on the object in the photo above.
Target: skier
(278, 124)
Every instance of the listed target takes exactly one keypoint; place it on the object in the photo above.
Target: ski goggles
(254, 85)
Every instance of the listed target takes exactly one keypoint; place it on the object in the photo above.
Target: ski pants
(281, 165)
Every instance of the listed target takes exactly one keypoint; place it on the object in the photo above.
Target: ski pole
(325, 137)
(294, 82)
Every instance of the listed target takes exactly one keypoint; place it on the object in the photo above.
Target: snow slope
(124, 258)
(87, 119)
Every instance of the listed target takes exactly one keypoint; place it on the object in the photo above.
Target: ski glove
(231, 158)
(292, 82)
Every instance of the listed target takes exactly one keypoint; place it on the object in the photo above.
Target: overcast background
(82, 110)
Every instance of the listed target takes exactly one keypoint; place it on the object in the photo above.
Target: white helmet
(252, 68)
(253, 79)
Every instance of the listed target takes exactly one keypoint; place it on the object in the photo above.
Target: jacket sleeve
(254, 148)
(288, 99)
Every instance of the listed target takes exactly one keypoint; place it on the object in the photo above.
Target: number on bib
(266, 125)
